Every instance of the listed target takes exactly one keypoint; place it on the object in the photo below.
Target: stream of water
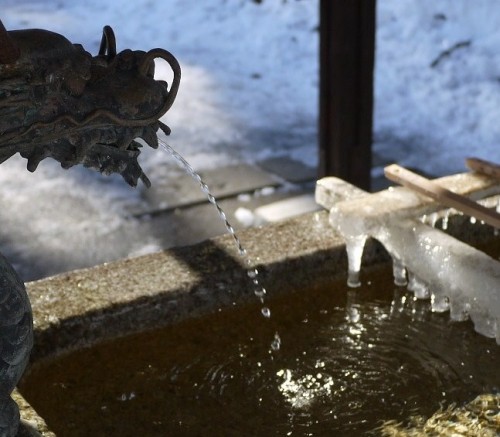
(252, 272)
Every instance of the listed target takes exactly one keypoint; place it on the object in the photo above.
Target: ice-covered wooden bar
(452, 274)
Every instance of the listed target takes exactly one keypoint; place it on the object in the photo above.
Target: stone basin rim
(81, 307)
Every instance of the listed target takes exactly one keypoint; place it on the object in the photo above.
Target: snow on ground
(249, 91)
(249, 71)
(433, 117)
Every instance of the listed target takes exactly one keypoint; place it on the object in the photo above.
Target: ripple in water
(351, 359)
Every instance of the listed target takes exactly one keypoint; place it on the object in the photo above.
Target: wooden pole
(446, 197)
(484, 167)
(347, 53)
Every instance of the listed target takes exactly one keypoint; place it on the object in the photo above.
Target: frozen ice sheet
(456, 276)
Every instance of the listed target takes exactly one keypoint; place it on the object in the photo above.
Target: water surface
(349, 359)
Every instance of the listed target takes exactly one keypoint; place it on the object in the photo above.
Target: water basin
(349, 360)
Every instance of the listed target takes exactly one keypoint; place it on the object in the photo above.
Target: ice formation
(456, 276)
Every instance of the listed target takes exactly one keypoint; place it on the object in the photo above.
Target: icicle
(459, 310)
(433, 218)
(457, 276)
(444, 223)
(418, 287)
(355, 247)
(439, 304)
(399, 272)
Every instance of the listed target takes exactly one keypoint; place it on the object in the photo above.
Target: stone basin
(81, 308)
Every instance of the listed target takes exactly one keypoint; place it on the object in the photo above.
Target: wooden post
(347, 53)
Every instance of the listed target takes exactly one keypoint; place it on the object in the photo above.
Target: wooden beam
(347, 52)
(446, 197)
(484, 167)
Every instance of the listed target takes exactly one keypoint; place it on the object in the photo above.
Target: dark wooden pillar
(347, 53)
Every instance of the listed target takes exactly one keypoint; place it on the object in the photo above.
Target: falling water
(252, 272)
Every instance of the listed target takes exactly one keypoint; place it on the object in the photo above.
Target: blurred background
(246, 117)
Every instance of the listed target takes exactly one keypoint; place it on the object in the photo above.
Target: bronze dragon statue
(59, 101)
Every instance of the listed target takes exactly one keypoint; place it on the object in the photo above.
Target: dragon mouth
(122, 157)
(110, 158)
(106, 153)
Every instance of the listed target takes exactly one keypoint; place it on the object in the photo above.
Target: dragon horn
(174, 65)
(108, 43)
(9, 52)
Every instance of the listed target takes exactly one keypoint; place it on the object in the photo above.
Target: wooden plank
(484, 167)
(347, 51)
(446, 197)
